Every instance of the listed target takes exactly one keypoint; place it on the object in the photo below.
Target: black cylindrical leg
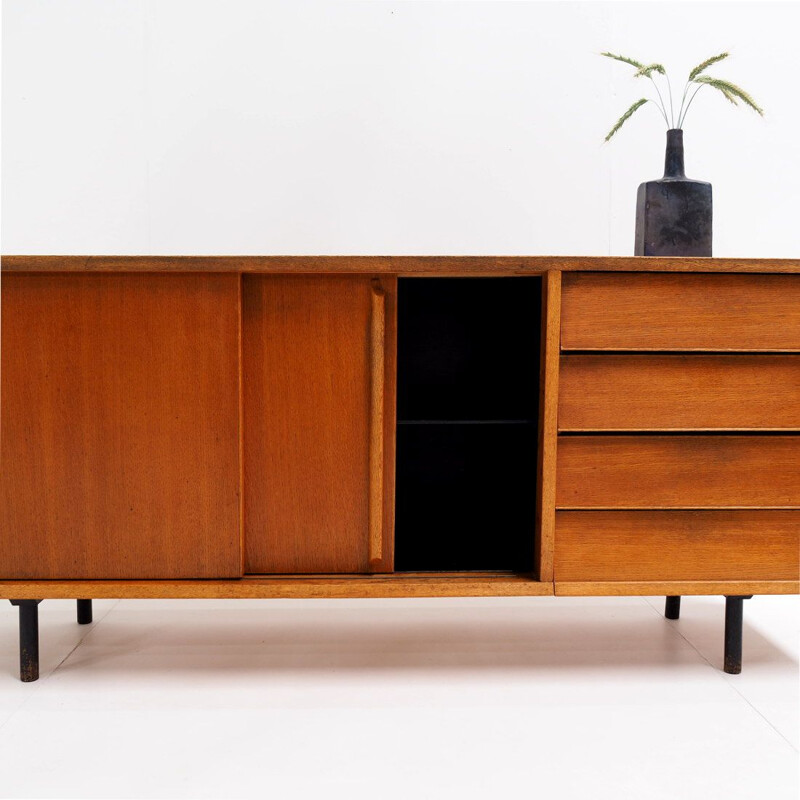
(734, 607)
(672, 609)
(28, 639)
(84, 612)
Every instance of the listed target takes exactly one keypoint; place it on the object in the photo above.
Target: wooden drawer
(658, 311)
(677, 545)
(678, 472)
(674, 392)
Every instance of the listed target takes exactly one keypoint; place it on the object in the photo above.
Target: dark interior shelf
(468, 387)
(468, 348)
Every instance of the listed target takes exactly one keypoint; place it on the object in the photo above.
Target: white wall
(213, 126)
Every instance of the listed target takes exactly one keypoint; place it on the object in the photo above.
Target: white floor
(474, 698)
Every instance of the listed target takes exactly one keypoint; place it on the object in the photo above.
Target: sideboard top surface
(398, 265)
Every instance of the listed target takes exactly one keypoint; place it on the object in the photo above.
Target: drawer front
(631, 311)
(677, 545)
(675, 392)
(678, 472)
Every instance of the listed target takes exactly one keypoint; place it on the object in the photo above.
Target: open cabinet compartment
(467, 418)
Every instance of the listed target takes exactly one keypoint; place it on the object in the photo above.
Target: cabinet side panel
(306, 373)
(120, 426)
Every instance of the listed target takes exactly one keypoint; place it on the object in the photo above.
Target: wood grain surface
(681, 312)
(677, 545)
(307, 402)
(444, 585)
(377, 398)
(677, 392)
(548, 424)
(651, 588)
(319, 586)
(400, 265)
(678, 472)
(120, 426)
(388, 286)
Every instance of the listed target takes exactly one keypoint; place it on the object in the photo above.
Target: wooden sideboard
(398, 426)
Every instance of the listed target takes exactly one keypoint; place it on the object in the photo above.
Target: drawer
(658, 311)
(677, 545)
(679, 392)
(678, 472)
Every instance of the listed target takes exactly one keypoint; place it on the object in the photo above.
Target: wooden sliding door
(318, 375)
(120, 426)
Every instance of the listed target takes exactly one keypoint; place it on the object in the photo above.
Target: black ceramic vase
(673, 215)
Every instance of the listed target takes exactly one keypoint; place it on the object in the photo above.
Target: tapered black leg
(672, 609)
(84, 612)
(28, 639)
(734, 607)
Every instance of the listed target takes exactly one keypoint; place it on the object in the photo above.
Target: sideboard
(188, 427)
